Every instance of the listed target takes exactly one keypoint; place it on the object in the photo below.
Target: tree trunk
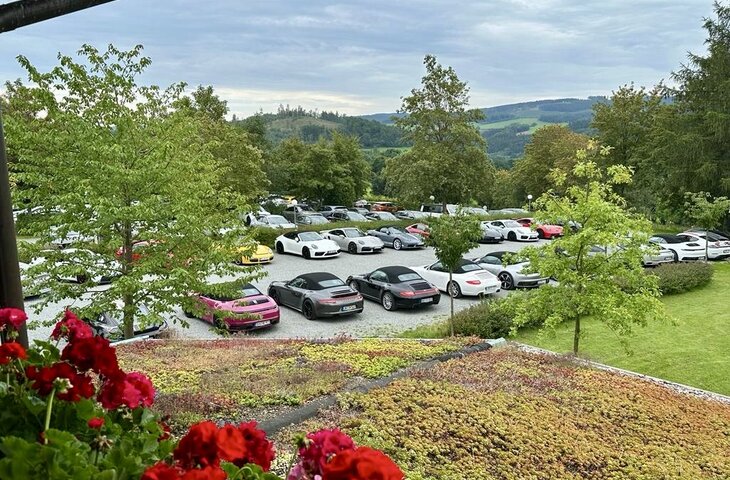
(128, 306)
(451, 300)
(707, 245)
(576, 336)
(443, 209)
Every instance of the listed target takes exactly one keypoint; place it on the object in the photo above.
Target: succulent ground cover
(249, 378)
(509, 414)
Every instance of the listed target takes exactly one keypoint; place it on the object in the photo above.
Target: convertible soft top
(394, 272)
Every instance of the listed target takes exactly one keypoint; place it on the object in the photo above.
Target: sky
(361, 57)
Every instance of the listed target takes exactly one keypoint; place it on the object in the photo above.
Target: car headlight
(314, 247)
(361, 242)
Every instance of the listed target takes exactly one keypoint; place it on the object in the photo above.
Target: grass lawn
(533, 121)
(507, 414)
(694, 351)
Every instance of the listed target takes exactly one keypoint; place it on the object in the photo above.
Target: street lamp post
(294, 204)
(529, 202)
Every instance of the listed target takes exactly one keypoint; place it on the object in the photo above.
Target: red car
(137, 248)
(420, 229)
(249, 309)
(543, 230)
(383, 207)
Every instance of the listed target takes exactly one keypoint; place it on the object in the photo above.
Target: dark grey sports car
(109, 325)
(317, 295)
(395, 287)
(397, 237)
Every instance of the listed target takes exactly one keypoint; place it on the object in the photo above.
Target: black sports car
(395, 287)
(317, 295)
(109, 325)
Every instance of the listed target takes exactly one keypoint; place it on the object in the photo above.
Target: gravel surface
(373, 321)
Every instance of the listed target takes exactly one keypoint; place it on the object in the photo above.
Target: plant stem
(49, 408)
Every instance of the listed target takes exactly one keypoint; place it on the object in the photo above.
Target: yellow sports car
(263, 254)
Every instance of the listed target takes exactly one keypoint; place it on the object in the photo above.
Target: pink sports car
(248, 310)
(543, 230)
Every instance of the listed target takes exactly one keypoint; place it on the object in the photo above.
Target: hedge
(487, 319)
(682, 277)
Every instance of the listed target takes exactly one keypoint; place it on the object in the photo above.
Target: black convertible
(317, 295)
(395, 287)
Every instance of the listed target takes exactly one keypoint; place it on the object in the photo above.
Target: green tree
(551, 147)
(690, 141)
(452, 236)
(612, 286)
(116, 164)
(448, 159)
(706, 213)
(504, 194)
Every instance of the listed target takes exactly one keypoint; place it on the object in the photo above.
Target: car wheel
(541, 234)
(352, 248)
(397, 244)
(388, 301)
(306, 254)
(511, 236)
(354, 285)
(508, 283)
(220, 324)
(274, 296)
(676, 256)
(308, 310)
(279, 248)
(454, 289)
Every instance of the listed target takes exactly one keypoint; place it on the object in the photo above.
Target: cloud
(362, 56)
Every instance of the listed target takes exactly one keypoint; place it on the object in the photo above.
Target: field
(692, 349)
(533, 122)
(509, 414)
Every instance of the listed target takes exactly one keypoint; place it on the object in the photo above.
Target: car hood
(254, 303)
(408, 237)
(323, 244)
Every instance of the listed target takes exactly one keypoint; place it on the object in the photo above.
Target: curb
(311, 409)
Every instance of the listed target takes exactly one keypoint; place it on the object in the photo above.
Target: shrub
(682, 277)
(488, 319)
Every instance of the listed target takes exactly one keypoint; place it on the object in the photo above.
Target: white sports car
(468, 279)
(353, 240)
(306, 244)
(512, 230)
(682, 247)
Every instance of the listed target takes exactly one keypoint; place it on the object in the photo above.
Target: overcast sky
(361, 56)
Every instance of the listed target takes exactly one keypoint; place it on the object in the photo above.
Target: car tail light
(473, 282)
(327, 301)
(407, 294)
(715, 244)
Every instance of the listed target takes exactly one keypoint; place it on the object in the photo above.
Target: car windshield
(250, 291)
(276, 220)
(331, 282)
(309, 236)
(668, 239)
(406, 277)
(356, 217)
(470, 267)
(511, 224)
(353, 233)
(397, 229)
(114, 317)
(477, 211)
(387, 216)
(317, 219)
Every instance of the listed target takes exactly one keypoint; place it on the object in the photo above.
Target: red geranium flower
(13, 317)
(10, 351)
(162, 471)
(363, 463)
(69, 384)
(96, 423)
(207, 473)
(321, 446)
(229, 441)
(92, 353)
(71, 328)
(198, 447)
(257, 448)
(130, 389)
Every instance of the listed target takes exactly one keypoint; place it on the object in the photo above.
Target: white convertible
(512, 230)
(468, 279)
(306, 244)
(353, 240)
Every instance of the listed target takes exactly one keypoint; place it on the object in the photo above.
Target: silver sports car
(509, 271)
(353, 240)
(316, 295)
(397, 237)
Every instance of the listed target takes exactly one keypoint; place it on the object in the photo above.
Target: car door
(438, 275)
(338, 236)
(491, 263)
(291, 294)
(374, 285)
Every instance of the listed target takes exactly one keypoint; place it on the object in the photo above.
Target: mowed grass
(532, 121)
(694, 349)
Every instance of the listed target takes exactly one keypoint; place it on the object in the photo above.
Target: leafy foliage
(682, 277)
(487, 319)
(612, 287)
(448, 159)
(113, 163)
(509, 414)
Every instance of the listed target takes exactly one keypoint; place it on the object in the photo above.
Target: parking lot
(373, 321)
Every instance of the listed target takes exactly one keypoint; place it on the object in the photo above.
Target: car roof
(316, 277)
(394, 271)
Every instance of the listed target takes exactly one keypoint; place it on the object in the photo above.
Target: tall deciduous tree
(452, 236)
(448, 159)
(113, 164)
(611, 287)
(706, 212)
